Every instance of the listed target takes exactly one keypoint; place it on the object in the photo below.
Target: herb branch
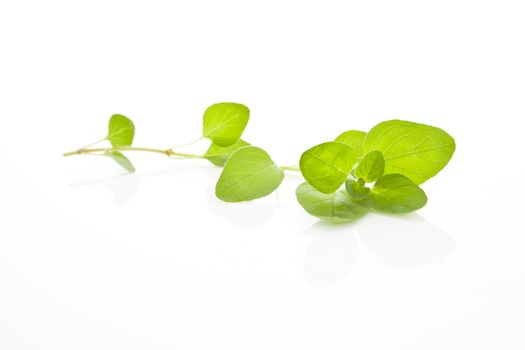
(357, 172)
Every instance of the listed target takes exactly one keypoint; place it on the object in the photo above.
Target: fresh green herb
(121, 131)
(326, 166)
(395, 193)
(335, 207)
(218, 155)
(224, 123)
(121, 160)
(354, 139)
(394, 157)
(371, 168)
(415, 150)
(357, 189)
(248, 174)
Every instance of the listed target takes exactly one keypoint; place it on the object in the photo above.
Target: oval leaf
(354, 139)
(219, 155)
(121, 131)
(395, 193)
(335, 207)
(225, 122)
(121, 160)
(326, 166)
(371, 168)
(357, 190)
(248, 174)
(415, 150)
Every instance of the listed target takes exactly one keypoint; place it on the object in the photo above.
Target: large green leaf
(219, 155)
(120, 131)
(224, 122)
(248, 174)
(121, 160)
(395, 193)
(415, 150)
(326, 166)
(354, 139)
(371, 167)
(335, 207)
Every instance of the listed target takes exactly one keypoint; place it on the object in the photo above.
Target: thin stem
(177, 155)
(115, 149)
(94, 143)
(290, 168)
(170, 153)
(187, 144)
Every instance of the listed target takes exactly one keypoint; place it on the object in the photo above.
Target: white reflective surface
(94, 259)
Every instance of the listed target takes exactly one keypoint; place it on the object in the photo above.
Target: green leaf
(326, 166)
(395, 193)
(248, 174)
(354, 139)
(121, 160)
(121, 131)
(219, 155)
(334, 207)
(224, 122)
(415, 150)
(357, 189)
(371, 168)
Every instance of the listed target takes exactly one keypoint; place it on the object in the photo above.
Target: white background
(94, 259)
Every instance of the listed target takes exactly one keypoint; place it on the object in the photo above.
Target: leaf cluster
(355, 173)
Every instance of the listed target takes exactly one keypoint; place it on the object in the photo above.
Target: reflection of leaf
(244, 215)
(121, 160)
(332, 254)
(404, 242)
(121, 131)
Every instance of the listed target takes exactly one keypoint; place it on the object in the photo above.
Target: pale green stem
(167, 152)
(290, 168)
(94, 143)
(187, 144)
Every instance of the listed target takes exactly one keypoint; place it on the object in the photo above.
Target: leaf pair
(224, 123)
(249, 172)
(121, 132)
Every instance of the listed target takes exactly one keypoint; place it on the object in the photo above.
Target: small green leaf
(219, 155)
(121, 131)
(395, 193)
(224, 122)
(334, 207)
(354, 139)
(248, 174)
(371, 168)
(357, 189)
(415, 150)
(121, 160)
(326, 166)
